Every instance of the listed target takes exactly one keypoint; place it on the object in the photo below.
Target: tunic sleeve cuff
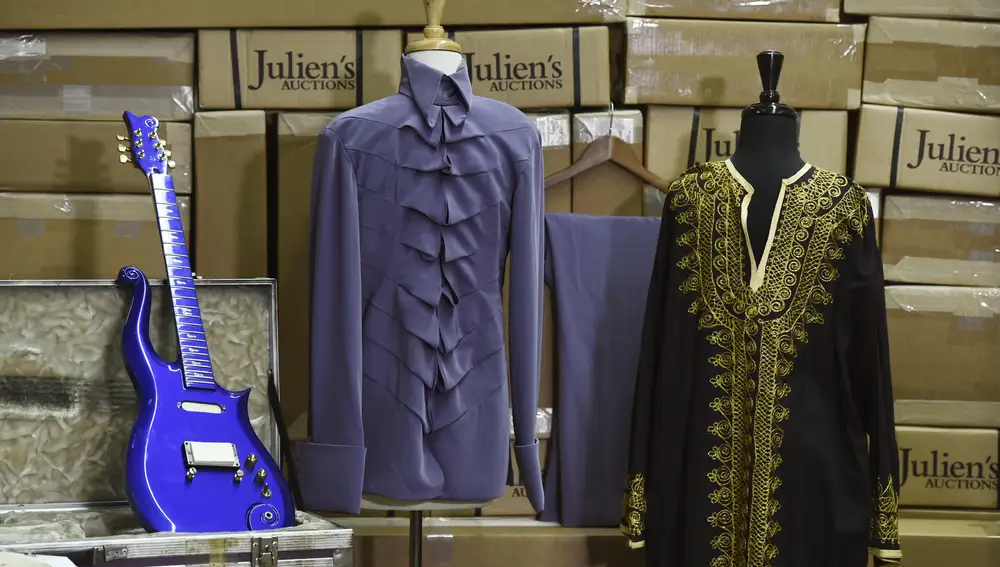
(530, 472)
(330, 477)
(889, 555)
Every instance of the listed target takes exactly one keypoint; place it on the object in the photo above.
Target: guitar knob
(251, 461)
(238, 476)
(191, 472)
(260, 476)
(266, 493)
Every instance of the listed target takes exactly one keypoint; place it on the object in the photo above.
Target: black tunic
(763, 433)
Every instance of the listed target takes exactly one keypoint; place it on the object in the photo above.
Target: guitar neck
(195, 360)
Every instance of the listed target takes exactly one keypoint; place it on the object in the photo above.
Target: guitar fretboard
(195, 360)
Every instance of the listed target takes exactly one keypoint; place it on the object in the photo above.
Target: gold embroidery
(634, 509)
(885, 514)
(756, 332)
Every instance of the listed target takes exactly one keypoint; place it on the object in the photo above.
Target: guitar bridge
(209, 454)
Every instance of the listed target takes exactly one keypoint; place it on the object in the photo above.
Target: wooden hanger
(608, 149)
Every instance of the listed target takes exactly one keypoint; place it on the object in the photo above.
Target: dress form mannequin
(437, 51)
(767, 150)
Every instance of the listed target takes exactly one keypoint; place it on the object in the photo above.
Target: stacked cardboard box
(706, 71)
(929, 135)
(68, 208)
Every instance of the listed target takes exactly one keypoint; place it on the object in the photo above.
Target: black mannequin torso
(767, 152)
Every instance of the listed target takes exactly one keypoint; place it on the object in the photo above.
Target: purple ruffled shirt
(417, 200)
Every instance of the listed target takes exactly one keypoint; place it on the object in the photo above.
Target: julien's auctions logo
(936, 469)
(955, 154)
(503, 73)
(295, 72)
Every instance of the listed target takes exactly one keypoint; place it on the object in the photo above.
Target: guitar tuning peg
(122, 148)
(120, 138)
(171, 164)
(124, 159)
(167, 153)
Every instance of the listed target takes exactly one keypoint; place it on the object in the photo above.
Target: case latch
(108, 553)
(264, 552)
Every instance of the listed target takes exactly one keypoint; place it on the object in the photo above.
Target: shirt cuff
(530, 472)
(331, 477)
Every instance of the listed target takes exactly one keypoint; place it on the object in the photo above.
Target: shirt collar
(431, 90)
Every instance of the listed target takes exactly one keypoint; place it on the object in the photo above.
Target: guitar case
(67, 407)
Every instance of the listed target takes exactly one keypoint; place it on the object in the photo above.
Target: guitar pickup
(208, 454)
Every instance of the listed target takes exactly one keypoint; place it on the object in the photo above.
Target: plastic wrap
(964, 9)
(711, 62)
(553, 128)
(93, 77)
(123, 14)
(790, 10)
(948, 65)
(66, 402)
(941, 240)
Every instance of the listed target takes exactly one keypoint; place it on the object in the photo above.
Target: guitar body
(160, 491)
(194, 462)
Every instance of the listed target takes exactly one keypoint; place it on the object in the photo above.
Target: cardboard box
(953, 468)
(538, 68)
(928, 150)
(965, 9)
(941, 240)
(491, 542)
(713, 63)
(96, 76)
(231, 228)
(943, 342)
(942, 64)
(54, 237)
(794, 10)
(289, 69)
(944, 413)
(495, 542)
(554, 129)
(607, 189)
(195, 14)
(298, 134)
(939, 543)
(81, 157)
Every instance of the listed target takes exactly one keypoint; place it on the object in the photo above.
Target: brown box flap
(95, 76)
(288, 69)
(933, 64)
(712, 62)
(81, 157)
(793, 10)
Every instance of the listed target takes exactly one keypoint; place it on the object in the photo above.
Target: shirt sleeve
(633, 523)
(527, 257)
(868, 356)
(331, 464)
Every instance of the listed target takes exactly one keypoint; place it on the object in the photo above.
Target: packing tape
(554, 129)
(26, 46)
(77, 98)
(438, 549)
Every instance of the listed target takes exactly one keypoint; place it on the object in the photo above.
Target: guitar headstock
(143, 146)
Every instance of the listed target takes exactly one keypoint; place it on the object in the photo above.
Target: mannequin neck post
(768, 139)
(447, 62)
